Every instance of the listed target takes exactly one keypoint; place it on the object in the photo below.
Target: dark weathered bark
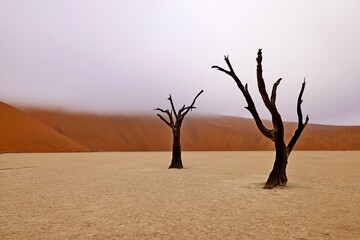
(176, 161)
(276, 134)
(277, 175)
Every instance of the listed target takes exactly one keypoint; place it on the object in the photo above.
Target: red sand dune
(19, 132)
(34, 130)
(205, 133)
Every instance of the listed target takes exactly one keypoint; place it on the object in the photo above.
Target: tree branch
(261, 85)
(231, 73)
(170, 123)
(251, 106)
(301, 125)
(179, 116)
(165, 121)
(172, 105)
(188, 108)
(273, 93)
(161, 110)
(221, 69)
(276, 117)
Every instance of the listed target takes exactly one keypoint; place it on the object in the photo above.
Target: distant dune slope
(108, 133)
(19, 132)
(205, 133)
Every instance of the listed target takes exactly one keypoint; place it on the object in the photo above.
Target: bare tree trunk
(277, 175)
(176, 161)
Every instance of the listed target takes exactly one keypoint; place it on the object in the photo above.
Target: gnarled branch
(251, 106)
(178, 116)
(184, 110)
(261, 84)
(276, 117)
(170, 123)
(301, 124)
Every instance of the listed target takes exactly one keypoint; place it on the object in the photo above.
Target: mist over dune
(199, 133)
(44, 130)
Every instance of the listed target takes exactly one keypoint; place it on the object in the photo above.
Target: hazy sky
(128, 55)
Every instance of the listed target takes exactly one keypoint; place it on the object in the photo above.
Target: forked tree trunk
(278, 174)
(176, 161)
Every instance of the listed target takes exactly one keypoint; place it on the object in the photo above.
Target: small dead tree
(276, 134)
(175, 120)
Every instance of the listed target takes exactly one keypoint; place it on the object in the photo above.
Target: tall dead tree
(175, 120)
(276, 134)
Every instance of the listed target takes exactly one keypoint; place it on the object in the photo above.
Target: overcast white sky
(126, 56)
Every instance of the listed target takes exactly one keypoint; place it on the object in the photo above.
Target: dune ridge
(199, 133)
(19, 132)
(46, 130)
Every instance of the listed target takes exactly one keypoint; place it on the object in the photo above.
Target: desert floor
(218, 195)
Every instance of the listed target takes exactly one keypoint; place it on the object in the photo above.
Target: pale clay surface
(218, 195)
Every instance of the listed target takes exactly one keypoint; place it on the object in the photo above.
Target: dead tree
(276, 134)
(175, 120)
